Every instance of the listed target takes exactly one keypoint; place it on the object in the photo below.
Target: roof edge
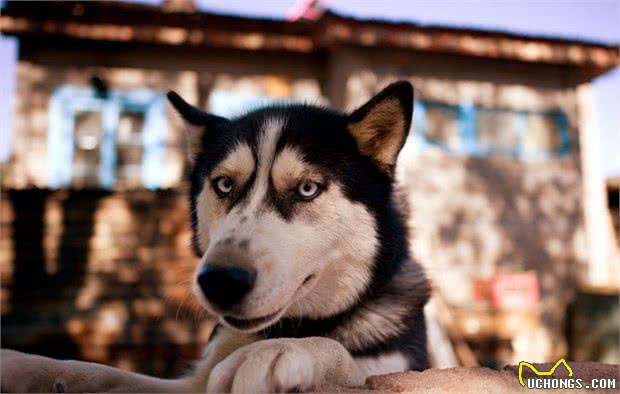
(116, 21)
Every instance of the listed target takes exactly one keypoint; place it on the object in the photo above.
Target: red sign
(515, 291)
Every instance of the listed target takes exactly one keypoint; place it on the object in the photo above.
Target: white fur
(387, 363)
(331, 237)
(280, 365)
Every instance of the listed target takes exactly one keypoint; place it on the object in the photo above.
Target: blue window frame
(68, 102)
(467, 129)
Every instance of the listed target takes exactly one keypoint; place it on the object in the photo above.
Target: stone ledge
(479, 380)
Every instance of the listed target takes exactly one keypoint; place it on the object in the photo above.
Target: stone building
(95, 255)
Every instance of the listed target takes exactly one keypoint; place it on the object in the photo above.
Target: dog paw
(285, 365)
(24, 373)
(29, 373)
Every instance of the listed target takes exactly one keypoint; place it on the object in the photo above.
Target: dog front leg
(23, 373)
(284, 365)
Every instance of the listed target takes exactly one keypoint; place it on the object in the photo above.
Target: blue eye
(308, 190)
(223, 185)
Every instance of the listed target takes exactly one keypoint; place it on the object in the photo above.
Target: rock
(450, 380)
(481, 380)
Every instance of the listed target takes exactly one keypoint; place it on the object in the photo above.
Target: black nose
(225, 286)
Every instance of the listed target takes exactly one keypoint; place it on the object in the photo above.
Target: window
(233, 96)
(116, 141)
(442, 126)
(129, 149)
(482, 131)
(229, 103)
(495, 130)
(88, 132)
(542, 133)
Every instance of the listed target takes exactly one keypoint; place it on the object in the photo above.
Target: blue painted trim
(68, 100)
(154, 142)
(520, 127)
(107, 160)
(439, 104)
(562, 122)
(468, 137)
(60, 141)
(419, 125)
(466, 117)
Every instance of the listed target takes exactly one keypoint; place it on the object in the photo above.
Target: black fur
(322, 137)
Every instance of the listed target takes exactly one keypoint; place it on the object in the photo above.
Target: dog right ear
(196, 124)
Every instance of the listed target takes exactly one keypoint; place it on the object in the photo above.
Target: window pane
(230, 103)
(129, 149)
(542, 133)
(496, 130)
(88, 133)
(441, 125)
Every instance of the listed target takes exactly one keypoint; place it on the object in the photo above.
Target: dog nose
(225, 286)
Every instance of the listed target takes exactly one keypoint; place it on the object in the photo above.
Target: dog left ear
(380, 127)
(197, 123)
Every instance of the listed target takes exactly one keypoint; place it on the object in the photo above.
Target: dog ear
(196, 122)
(380, 127)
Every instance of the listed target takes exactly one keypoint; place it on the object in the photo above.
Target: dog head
(285, 201)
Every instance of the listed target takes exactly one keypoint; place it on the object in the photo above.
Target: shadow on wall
(473, 217)
(536, 214)
(34, 288)
(103, 277)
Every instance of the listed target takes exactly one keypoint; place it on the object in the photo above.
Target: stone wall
(473, 217)
(100, 276)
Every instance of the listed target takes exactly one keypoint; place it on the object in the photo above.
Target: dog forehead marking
(267, 141)
(242, 162)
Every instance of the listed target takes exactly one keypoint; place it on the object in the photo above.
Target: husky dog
(304, 255)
